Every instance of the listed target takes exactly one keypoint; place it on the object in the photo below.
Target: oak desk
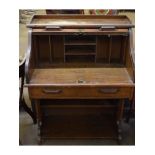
(79, 71)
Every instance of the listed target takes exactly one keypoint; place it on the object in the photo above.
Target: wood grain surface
(90, 76)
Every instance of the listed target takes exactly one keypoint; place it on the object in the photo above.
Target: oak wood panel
(129, 59)
(78, 106)
(57, 48)
(75, 31)
(116, 44)
(124, 48)
(91, 76)
(102, 49)
(86, 92)
(79, 21)
(35, 48)
(43, 48)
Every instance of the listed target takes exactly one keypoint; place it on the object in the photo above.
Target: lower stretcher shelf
(79, 119)
(79, 126)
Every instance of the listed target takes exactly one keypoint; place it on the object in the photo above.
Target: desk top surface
(78, 20)
(88, 76)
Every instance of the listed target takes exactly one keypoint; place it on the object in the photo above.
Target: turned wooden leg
(119, 119)
(39, 119)
(132, 102)
(34, 111)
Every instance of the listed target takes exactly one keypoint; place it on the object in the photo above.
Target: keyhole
(81, 81)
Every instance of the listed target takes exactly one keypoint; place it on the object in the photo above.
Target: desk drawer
(80, 92)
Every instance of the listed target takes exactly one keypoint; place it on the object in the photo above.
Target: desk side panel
(129, 59)
(30, 58)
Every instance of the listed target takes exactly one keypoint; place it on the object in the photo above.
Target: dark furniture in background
(64, 11)
(22, 103)
(79, 72)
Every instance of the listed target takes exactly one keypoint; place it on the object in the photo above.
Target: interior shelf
(77, 42)
(80, 40)
(79, 53)
(80, 58)
(79, 49)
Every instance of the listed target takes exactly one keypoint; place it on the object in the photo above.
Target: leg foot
(119, 130)
(39, 141)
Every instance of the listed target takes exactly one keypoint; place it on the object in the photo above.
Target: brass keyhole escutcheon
(81, 81)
